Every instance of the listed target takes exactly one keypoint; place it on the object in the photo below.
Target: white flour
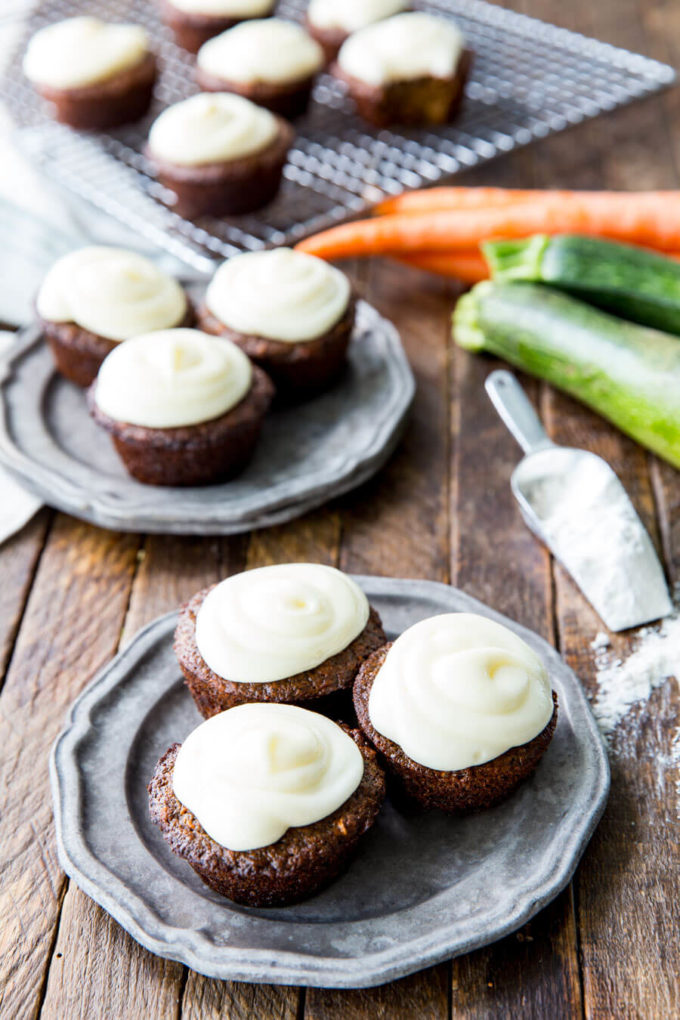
(592, 527)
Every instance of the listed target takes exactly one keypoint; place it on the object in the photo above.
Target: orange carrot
(460, 198)
(468, 266)
(650, 218)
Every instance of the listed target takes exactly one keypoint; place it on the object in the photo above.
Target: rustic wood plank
(70, 628)
(18, 561)
(205, 999)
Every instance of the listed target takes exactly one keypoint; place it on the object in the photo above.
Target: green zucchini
(628, 373)
(635, 283)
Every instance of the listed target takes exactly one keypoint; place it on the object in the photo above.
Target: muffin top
(351, 15)
(402, 48)
(275, 622)
(112, 292)
(211, 128)
(281, 294)
(458, 690)
(252, 772)
(83, 51)
(261, 50)
(226, 8)
(171, 378)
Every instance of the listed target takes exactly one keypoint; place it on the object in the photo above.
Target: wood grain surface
(72, 594)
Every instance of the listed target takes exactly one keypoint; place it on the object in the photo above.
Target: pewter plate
(529, 79)
(307, 455)
(423, 887)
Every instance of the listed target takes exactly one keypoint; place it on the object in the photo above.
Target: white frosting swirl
(281, 294)
(210, 128)
(407, 46)
(274, 622)
(351, 15)
(458, 690)
(172, 378)
(268, 50)
(226, 8)
(254, 771)
(83, 51)
(112, 292)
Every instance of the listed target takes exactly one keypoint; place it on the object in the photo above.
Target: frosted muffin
(294, 632)
(96, 297)
(193, 22)
(94, 74)
(267, 803)
(332, 21)
(290, 312)
(409, 69)
(271, 62)
(460, 709)
(181, 407)
(219, 154)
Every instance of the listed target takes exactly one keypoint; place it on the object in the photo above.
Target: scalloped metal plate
(307, 455)
(423, 887)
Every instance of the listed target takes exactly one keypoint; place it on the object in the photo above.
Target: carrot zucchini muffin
(94, 74)
(193, 22)
(409, 69)
(267, 803)
(290, 312)
(96, 297)
(269, 61)
(181, 407)
(332, 21)
(219, 154)
(460, 709)
(294, 632)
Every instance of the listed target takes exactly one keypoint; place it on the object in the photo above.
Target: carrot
(651, 219)
(468, 266)
(431, 199)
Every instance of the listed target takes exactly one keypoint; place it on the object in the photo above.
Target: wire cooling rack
(529, 80)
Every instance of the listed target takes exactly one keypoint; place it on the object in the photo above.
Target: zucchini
(628, 373)
(634, 283)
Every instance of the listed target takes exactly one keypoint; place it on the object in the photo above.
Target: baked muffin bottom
(329, 39)
(201, 454)
(470, 789)
(229, 188)
(120, 99)
(288, 99)
(79, 353)
(298, 370)
(303, 861)
(317, 689)
(420, 101)
(192, 29)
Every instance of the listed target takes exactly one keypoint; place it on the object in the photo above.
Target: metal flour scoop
(572, 500)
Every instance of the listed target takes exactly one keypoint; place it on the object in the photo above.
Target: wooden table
(71, 595)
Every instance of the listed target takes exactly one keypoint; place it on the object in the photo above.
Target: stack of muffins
(222, 151)
(270, 797)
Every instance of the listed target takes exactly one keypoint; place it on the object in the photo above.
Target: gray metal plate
(423, 887)
(529, 80)
(307, 455)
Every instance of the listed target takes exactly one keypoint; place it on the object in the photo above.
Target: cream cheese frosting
(351, 15)
(226, 8)
(267, 50)
(252, 772)
(83, 51)
(458, 690)
(274, 622)
(112, 292)
(281, 294)
(211, 127)
(171, 378)
(407, 46)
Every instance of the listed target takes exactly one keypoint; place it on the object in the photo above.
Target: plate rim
(292, 967)
(70, 497)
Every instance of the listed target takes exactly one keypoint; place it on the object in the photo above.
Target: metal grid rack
(529, 80)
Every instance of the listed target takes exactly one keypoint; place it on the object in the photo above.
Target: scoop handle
(516, 411)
